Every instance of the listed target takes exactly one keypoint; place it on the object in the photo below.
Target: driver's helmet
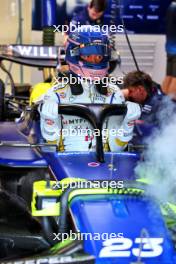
(88, 52)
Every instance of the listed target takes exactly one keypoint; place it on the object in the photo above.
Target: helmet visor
(94, 48)
(94, 54)
(94, 58)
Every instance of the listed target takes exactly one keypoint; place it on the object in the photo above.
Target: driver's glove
(49, 120)
(127, 126)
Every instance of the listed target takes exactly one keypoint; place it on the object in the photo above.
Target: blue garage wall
(140, 16)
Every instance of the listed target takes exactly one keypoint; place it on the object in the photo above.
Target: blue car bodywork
(136, 222)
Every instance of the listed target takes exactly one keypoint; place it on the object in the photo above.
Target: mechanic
(139, 87)
(92, 14)
(87, 54)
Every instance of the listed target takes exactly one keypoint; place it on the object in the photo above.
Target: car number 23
(122, 247)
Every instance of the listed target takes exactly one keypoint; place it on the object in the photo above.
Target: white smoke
(159, 165)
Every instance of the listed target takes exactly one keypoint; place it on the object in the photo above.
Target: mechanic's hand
(49, 120)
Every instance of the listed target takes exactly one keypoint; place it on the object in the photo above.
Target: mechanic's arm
(125, 134)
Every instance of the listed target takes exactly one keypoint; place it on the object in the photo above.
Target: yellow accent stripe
(52, 142)
(120, 143)
(101, 191)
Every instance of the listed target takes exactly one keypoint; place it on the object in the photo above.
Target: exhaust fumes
(159, 165)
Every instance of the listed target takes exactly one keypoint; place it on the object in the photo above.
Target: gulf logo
(93, 164)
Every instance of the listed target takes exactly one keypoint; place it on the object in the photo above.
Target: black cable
(127, 38)
(114, 13)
